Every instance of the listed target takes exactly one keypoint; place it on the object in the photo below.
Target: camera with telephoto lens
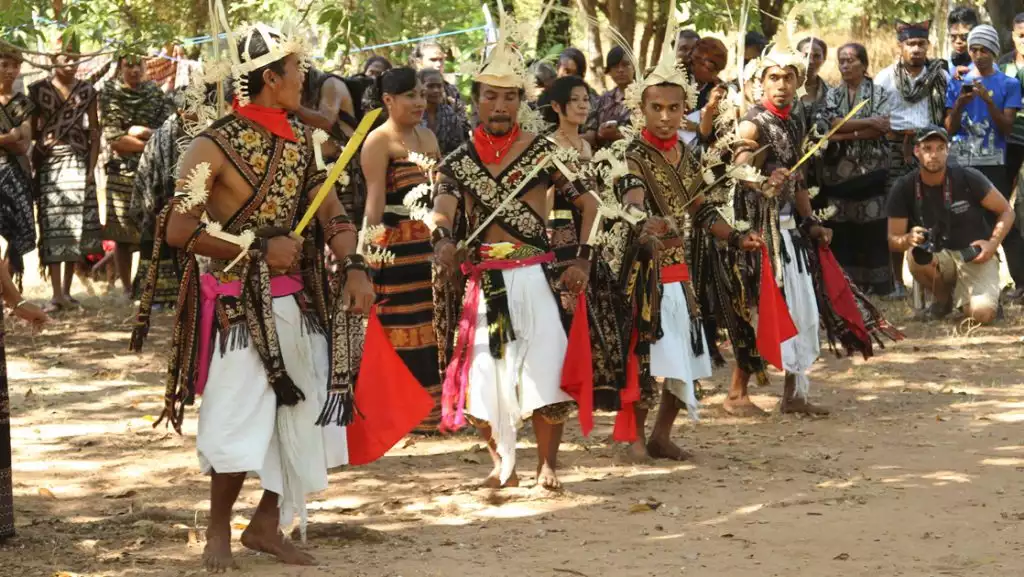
(923, 253)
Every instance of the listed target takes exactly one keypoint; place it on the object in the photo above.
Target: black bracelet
(355, 262)
(736, 238)
(585, 252)
(440, 233)
(809, 222)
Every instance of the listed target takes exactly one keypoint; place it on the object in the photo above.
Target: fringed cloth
(484, 275)
(721, 292)
(640, 283)
(6, 485)
(248, 320)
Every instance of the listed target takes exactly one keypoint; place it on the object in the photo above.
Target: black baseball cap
(931, 131)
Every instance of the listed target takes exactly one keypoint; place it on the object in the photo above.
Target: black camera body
(933, 243)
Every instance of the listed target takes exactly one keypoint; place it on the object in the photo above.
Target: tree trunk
(771, 11)
(595, 50)
(664, 13)
(1002, 12)
(940, 30)
(556, 29)
(645, 39)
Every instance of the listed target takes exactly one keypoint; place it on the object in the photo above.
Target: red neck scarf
(492, 149)
(780, 113)
(662, 144)
(273, 119)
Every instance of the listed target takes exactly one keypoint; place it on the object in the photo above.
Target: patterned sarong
(69, 221)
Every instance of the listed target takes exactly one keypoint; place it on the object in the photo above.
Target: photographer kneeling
(952, 243)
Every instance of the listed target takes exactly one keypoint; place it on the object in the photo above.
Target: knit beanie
(986, 36)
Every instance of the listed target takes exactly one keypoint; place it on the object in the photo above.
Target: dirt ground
(918, 472)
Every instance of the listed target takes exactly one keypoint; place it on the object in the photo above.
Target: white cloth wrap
(242, 430)
(508, 390)
(799, 352)
(672, 356)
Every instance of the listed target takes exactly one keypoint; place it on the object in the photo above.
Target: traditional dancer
(66, 128)
(510, 349)
(772, 207)
(254, 330)
(397, 161)
(131, 109)
(666, 181)
(17, 220)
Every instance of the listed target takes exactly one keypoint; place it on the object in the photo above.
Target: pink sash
(209, 289)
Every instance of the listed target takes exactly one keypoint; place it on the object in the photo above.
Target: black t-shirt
(963, 224)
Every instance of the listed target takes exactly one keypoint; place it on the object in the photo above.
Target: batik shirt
(451, 128)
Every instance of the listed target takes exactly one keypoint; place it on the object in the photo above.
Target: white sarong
(799, 352)
(672, 357)
(508, 390)
(242, 430)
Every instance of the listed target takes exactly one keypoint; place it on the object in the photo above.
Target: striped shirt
(905, 115)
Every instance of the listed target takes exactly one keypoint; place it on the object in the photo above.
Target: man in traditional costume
(510, 348)
(131, 109)
(772, 207)
(254, 329)
(66, 128)
(666, 182)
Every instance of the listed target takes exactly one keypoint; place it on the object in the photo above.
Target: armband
(338, 225)
(585, 252)
(707, 215)
(736, 238)
(190, 245)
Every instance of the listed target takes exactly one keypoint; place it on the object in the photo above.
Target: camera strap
(947, 201)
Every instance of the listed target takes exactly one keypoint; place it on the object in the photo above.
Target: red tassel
(841, 295)
(390, 401)
(774, 325)
(578, 368)
(625, 419)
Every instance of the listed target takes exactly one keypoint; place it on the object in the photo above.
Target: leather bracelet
(440, 233)
(585, 252)
(20, 304)
(809, 222)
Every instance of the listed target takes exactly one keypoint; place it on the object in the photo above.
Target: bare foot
(667, 450)
(636, 453)
(548, 479)
(802, 406)
(217, 553)
(742, 407)
(493, 481)
(272, 542)
(56, 305)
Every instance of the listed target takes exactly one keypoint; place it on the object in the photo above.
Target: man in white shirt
(918, 86)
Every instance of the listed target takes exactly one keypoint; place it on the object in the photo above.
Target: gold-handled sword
(339, 166)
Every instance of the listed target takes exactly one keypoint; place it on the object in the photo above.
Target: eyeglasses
(960, 37)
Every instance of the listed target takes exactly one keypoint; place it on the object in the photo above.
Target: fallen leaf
(470, 459)
(239, 526)
(193, 538)
(44, 492)
(408, 443)
(149, 418)
(645, 506)
(124, 494)
(841, 557)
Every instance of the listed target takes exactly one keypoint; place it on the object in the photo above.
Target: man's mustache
(501, 118)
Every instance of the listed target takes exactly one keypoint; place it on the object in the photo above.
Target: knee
(982, 310)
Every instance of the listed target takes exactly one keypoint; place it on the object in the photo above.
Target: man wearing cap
(918, 85)
(980, 111)
(938, 212)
